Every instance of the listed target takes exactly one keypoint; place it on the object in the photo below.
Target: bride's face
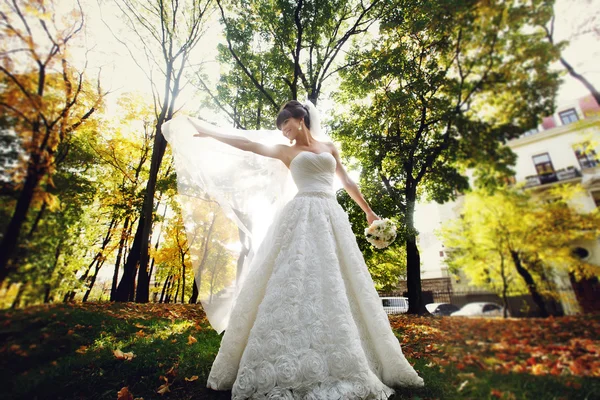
(291, 127)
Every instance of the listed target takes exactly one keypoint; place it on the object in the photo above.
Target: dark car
(441, 309)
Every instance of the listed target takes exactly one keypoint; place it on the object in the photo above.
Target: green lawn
(71, 351)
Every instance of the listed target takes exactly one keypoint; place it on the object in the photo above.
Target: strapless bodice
(313, 172)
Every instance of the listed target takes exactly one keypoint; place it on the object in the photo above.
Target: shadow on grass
(61, 352)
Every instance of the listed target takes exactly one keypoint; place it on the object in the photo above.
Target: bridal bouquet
(381, 233)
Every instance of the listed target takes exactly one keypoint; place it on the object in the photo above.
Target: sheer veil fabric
(250, 189)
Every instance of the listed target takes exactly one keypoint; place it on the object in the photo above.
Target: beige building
(563, 149)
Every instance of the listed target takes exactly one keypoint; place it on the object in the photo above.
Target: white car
(441, 309)
(480, 309)
(395, 305)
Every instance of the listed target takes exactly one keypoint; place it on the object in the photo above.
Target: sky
(121, 74)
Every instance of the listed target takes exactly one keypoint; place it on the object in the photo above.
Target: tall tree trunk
(413, 259)
(504, 285)
(142, 294)
(124, 234)
(170, 289)
(37, 220)
(140, 255)
(194, 297)
(164, 289)
(537, 298)
(11, 236)
(183, 278)
(152, 262)
(99, 265)
(126, 288)
(177, 290)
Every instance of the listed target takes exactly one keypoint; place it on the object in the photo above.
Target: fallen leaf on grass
(140, 334)
(164, 388)
(538, 369)
(81, 350)
(462, 385)
(124, 394)
(192, 340)
(123, 356)
(172, 372)
(193, 378)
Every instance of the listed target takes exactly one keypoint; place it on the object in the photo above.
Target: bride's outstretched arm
(352, 188)
(208, 130)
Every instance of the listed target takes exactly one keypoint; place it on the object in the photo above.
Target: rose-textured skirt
(308, 323)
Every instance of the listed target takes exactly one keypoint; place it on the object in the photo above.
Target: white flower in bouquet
(381, 233)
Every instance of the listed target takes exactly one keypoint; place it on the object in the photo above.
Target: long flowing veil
(250, 190)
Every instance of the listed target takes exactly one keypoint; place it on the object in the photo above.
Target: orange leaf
(538, 369)
(81, 349)
(123, 356)
(191, 340)
(124, 394)
(193, 378)
(164, 388)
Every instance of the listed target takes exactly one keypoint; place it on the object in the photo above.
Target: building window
(568, 116)
(543, 164)
(585, 155)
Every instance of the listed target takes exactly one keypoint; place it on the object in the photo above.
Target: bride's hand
(198, 132)
(371, 216)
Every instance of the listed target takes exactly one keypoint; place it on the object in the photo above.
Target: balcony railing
(560, 175)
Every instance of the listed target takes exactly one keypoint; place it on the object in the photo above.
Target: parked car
(395, 305)
(480, 309)
(441, 309)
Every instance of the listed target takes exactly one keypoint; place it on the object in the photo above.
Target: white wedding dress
(308, 323)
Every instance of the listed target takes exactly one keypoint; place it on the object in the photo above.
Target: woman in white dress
(307, 322)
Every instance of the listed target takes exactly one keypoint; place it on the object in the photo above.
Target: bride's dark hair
(293, 109)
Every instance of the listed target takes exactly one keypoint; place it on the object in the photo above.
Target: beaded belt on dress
(321, 194)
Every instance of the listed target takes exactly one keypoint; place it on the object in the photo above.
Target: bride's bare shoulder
(331, 147)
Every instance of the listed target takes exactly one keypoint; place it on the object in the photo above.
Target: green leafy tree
(281, 50)
(439, 90)
(513, 243)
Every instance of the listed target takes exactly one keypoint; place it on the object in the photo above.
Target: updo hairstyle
(293, 109)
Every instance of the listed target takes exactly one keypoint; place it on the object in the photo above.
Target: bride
(307, 322)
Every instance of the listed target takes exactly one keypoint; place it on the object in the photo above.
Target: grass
(67, 351)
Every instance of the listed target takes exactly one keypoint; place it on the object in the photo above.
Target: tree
(167, 32)
(514, 228)
(439, 90)
(42, 95)
(279, 50)
(547, 23)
